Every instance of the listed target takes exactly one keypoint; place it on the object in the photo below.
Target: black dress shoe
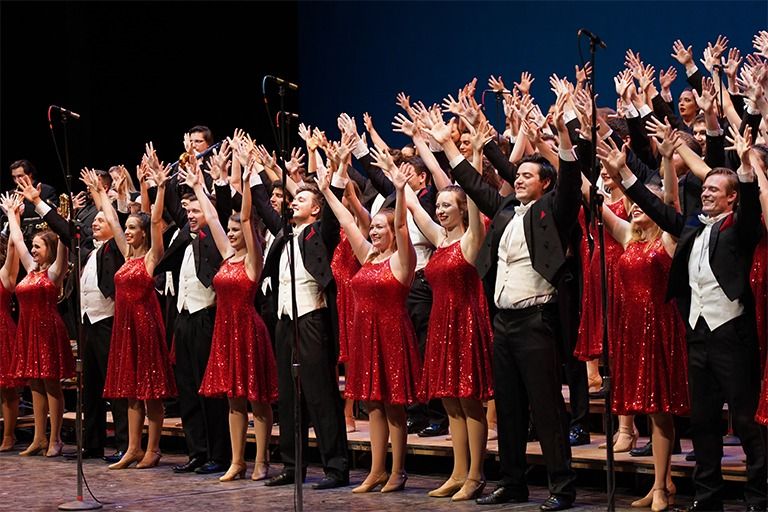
(577, 436)
(502, 494)
(434, 429)
(284, 478)
(756, 507)
(211, 467)
(600, 393)
(642, 451)
(87, 454)
(415, 425)
(190, 466)
(708, 506)
(115, 457)
(555, 502)
(331, 481)
(690, 456)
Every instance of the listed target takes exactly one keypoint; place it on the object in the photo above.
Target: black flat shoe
(415, 425)
(502, 494)
(115, 457)
(211, 467)
(556, 503)
(600, 393)
(577, 436)
(284, 478)
(190, 466)
(642, 451)
(434, 429)
(331, 481)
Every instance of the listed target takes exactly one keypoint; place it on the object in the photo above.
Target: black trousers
(723, 366)
(527, 373)
(569, 300)
(205, 420)
(96, 338)
(320, 398)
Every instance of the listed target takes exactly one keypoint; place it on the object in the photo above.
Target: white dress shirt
(193, 296)
(309, 295)
(92, 302)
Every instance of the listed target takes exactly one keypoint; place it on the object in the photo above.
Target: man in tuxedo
(520, 265)
(193, 260)
(314, 238)
(22, 168)
(100, 259)
(709, 279)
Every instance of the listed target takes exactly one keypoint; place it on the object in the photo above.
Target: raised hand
(583, 74)
(403, 101)
(323, 178)
(750, 83)
(717, 49)
(479, 137)
(633, 63)
(760, 43)
(497, 84)
(666, 78)
(368, 122)
(682, 54)
(451, 105)
(10, 203)
(710, 60)
(740, 143)
(731, 64)
(647, 75)
(78, 201)
(706, 100)
(382, 159)
(187, 143)
(347, 124)
(440, 131)
(668, 142)
(612, 158)
(524, 85)
(623, 82)
(402, 124)
(160, 175)
(296, 162)
(401, 175)
(305, 132)
(28, 190)
(151, 156)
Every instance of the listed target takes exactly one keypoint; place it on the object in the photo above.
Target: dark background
(140, 71)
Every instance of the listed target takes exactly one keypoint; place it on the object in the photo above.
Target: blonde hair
(637, 232)
(389, 213)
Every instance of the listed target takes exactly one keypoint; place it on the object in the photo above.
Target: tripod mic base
(80, 505)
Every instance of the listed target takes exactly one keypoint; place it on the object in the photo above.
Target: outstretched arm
(10, 269)
(156, 248)
(102, 201)
(403, 262)
(254, 260)
(194, 179)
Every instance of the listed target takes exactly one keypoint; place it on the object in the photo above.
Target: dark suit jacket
(108, 257)
(206, 254)
(731, 245)
(47, 194)
(548, 224)
(427, 196)
(316, 242)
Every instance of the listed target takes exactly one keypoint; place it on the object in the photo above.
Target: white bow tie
(97, 244)
(521, 210)
(707, 220)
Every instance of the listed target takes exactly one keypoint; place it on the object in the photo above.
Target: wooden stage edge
(588, 457)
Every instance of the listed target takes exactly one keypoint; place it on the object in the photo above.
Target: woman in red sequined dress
(138, 366)
(383, 368)
(649, 360)
(241, 365)
(8, 383)
(457, 356)
(43, 354)
(344, 266)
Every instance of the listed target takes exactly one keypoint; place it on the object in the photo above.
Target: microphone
(280, 81)
(73, 115)
(595, 39)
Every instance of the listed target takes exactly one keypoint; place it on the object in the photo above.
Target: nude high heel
(260, 471)
(235, 471)
(127, 460)
(470, 490)
(150, 460)
(35, 449)
(370, 483)
(449, 488)
(396, 482)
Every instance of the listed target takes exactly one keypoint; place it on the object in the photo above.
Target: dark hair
(730, 175)
(546, 171)
(287, 196)
(420, 167)
(207, 134)
(50, 240)
(318, 197)
(690, 141)
(489, 174)
(762, 150)
(104, 175)
(699, 118)
(29, 169)
(617, 124)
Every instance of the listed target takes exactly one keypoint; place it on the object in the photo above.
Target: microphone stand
(282, 142)
(595, 204)
(74, 247)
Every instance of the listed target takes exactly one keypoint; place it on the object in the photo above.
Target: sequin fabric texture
(759, 283)
(7, 341)
(589, 344)
(241, 363)
(457, 357)
(138, 365)
(650, 362)
(42, 342)
(384, 362)
(344, 266)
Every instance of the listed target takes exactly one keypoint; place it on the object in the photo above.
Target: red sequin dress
(384, 360)
(589, 344)
(7, 341)
(759, 283)
(457, 357)
(42, 342)
(649, 363)
(344, 266)
(241, 364)
(138, 366)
